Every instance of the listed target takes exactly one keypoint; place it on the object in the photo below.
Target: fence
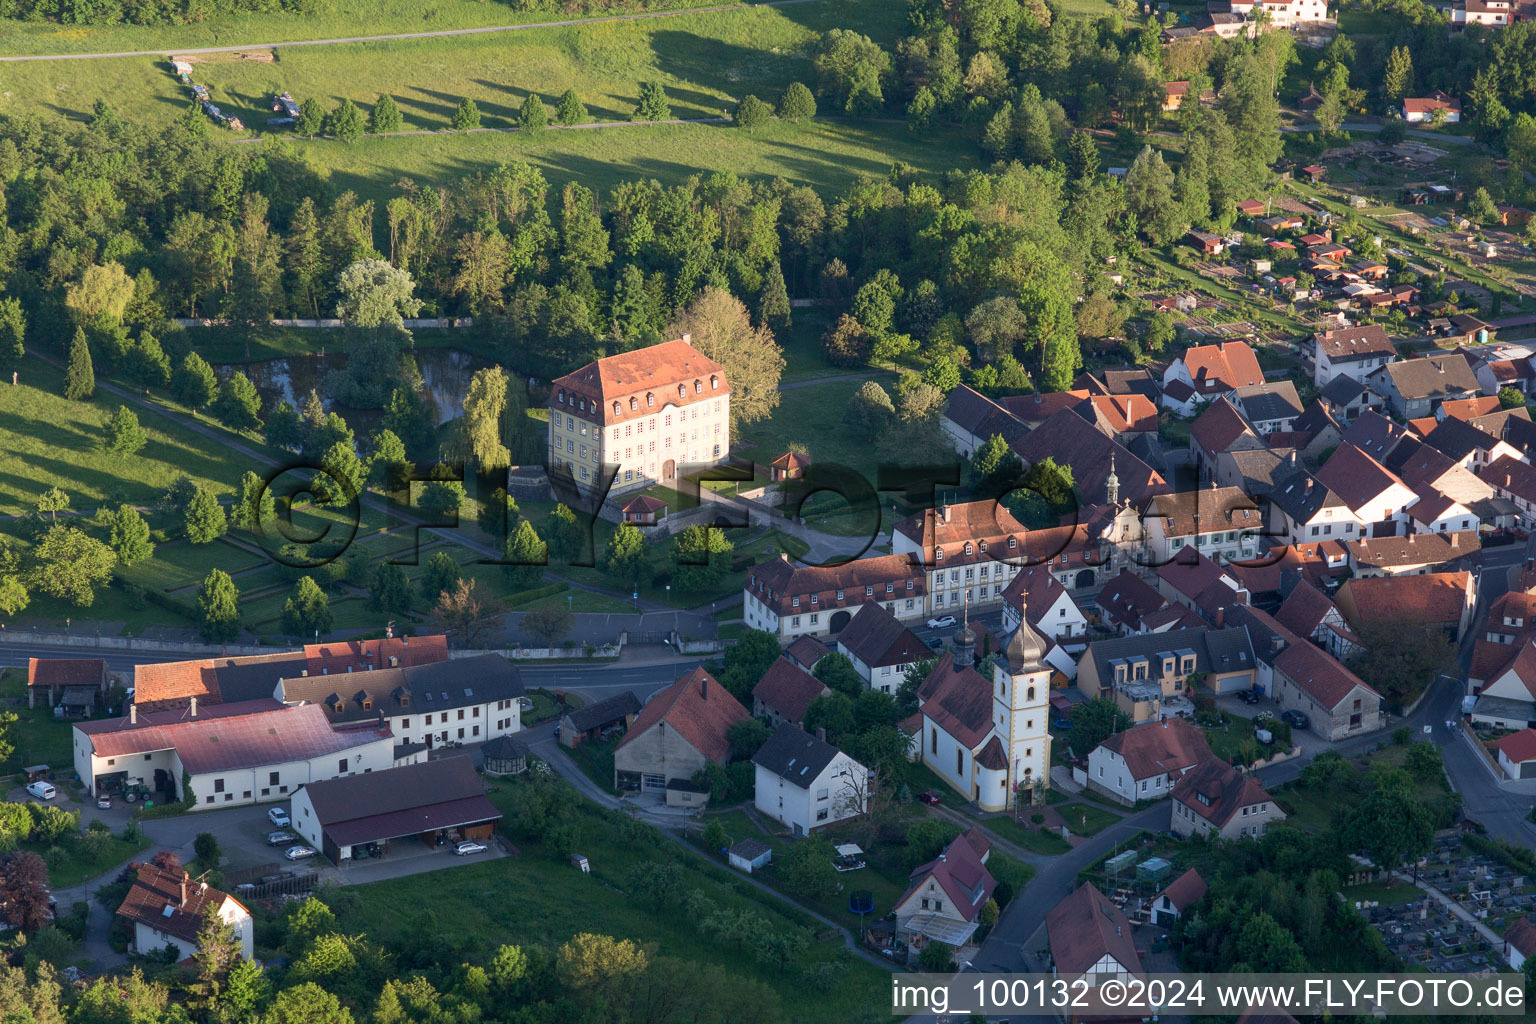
(128, 643)
(241, 876)
(289, 885)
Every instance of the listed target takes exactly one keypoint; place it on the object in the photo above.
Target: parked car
(468, 847)
(279, 816)
(42, 790)
(298, 852)
(929, 797)
(281, 838)
(104, 801)
(934, 642)
(1250, 696)
(941, 622)
(1297, 719)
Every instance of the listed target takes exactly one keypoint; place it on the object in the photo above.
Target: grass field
(539, 898)
(47, 441)
(335, 19)
(812, 416)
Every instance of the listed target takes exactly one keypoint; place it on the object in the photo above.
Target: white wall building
(805, 783)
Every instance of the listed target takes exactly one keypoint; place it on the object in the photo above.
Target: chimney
(192, 708)
(133, 714)
(394, 662)
(703, 687)
(821, 733)
(405, 641)
(183, 889)
(944, 513)
(1221, 616)
(687, 339)
(304, 672)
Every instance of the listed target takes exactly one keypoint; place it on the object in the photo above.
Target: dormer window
(340, 707)
(698, 387)
(405, 699)
(714, 383)
(682, 391)
(909, 584)
(650, 399)
(616, 409)
(869, 591)
(968, 547)
(367, 705)
(634, 403)
(794, 602)
(983, 547)
(815, 599)
(839, 595)
(938, 554)
(1013, 542)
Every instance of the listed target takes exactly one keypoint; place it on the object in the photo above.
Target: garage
(653, 783)
(412, 810)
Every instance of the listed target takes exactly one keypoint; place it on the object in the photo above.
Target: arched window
(1029, 694)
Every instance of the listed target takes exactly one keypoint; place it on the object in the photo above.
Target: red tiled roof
(1416, 549)
(791, 461)
(230, 736)
(1346, 344)
(1469, 408)
(1318, 673)
(1225, 791)
(643, 504)
(362, 655)
(1038, 591)
(1084, 928)
(961, 874)
(788, 689)
(66, 671)
(1304, 610)
(1218, 426)
(1042, 405)
(1431, 597)
(607, 385)
(959, 701)
(952, 527)
(1129, 599)
(1424, 104)
(777, 583)
(1519, 746)
(877, 638)
(1522, 663)
(1356, 477)
(807, 651)
(1159, 748)
(1190, 572)
(1126, 413)
(1185, 891)
(1512, 476)
(1206, 511)
(1089, 453)
(699, 709)
(1222, 366)
(156, 890)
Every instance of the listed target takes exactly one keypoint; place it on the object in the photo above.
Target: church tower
(1021, 706)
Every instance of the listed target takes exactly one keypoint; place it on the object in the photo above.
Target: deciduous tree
(722, 330)
(219, 602)
(124, 436)
(571, 110)
(386, 115)
(308, 612)
(205, 519)
(71, 565)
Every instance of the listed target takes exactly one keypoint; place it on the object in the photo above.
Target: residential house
(1219, 522)
(1338, 704)
(1347, 398)
(970, 550)
(168, 908)
(1211, 370)
(1508, 699)
(1312, 615)
(435, 802)
(1149, 675)
(615, 416)
(786, 692)
(987, 736)
(440, 704)
(1515, 480)
(1353, 352)
(971, 419)
(1094, 459)
(229, 754)
(1511, 621)
(599, 720)
(1302, 509)
(1374, 494)
(1316, 431)
(1517, 754)
(791, 601)
(1179, 898)
(1130, 605)
(1197, 582)
(1206, 243)
(1467, 445)
(1271, 408)
(1481, 12)
(1413, 387)
(1038, 597)
(1417, 109)
(680, 730)
(1377, 436)
(805, 783)
(880, 647)
(1221, 427)
(1445, 599)
(1146, 761)
(1090, 937)
(944, 898)
(1173, 95)
(1413, 555)
(77, 685)
(1128, 381)
(1217, 799)
(1439, 513)
(806, 651)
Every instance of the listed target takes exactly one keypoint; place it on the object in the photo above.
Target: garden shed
(750, 854)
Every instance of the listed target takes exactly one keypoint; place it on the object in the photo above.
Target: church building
(986, 732)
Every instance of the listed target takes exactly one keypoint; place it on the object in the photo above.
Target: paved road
(489, 29)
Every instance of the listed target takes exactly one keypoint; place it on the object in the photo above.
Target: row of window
(583, 404)
(869, 591)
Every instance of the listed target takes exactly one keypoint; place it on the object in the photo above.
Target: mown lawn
(540, 898)
(78, 860)
(1086, 819)
(1035, 840)
(48, 441)
(37, 738)
(813, 416)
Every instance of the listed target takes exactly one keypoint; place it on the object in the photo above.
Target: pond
(445, 371)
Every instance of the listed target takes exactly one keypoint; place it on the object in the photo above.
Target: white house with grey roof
(444, 704)
(1303, 510)
(1270, 407)
(806, 783)
(1147, 674)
